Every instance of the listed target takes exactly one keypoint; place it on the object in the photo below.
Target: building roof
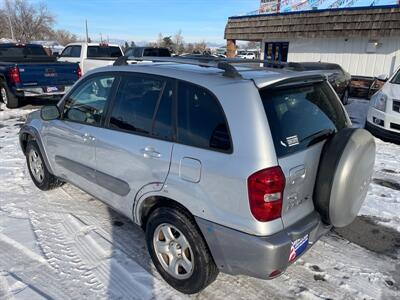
(360, 22)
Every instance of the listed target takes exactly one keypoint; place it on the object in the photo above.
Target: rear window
(301, 116)
(160, 52)
(103, 51)
(22, 51)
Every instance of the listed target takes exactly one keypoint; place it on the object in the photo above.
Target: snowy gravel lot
(64, 244)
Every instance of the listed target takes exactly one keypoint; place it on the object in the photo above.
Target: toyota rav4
(226, 168)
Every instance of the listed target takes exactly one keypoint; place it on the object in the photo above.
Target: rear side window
(103, 51)
(143, 105)
(201, 121)
(301, 116)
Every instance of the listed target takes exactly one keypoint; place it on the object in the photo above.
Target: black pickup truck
(27, 71)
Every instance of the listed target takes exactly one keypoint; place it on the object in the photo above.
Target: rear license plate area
(51, 89)
(298, 247)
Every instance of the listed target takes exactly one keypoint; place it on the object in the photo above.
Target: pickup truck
(91, 55)
(27, 71)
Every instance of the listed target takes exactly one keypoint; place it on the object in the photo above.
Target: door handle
(150, 152)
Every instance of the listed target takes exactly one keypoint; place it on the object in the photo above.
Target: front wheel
(179, 251)
(40, 175)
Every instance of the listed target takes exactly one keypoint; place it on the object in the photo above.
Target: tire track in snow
(77, 249)
(36, 272)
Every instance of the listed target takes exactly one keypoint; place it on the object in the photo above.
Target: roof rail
(225, 64)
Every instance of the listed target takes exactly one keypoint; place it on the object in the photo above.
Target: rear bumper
(237, 253)
(41, 91)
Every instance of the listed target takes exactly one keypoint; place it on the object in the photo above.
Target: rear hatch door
(302, 115)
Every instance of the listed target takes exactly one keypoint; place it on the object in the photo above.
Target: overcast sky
(142, 20)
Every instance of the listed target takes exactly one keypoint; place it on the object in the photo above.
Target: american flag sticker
(298, 246)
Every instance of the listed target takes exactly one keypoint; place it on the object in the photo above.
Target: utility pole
(101, 38)
(87, 33)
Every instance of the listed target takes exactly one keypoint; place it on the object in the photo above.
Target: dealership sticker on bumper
(298, 247)
(51, 89)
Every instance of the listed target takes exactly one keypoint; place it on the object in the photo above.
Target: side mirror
(50, 112)
(382, 77)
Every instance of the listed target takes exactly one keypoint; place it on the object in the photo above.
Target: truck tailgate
(48, 74)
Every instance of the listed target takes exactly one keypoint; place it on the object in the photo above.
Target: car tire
(10, 100)
(38, 171)
(345, 97)
(345, 170)
(179, 251)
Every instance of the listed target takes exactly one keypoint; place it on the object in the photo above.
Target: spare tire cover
(344, 173)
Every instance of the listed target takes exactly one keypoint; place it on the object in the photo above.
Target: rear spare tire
(345, 171)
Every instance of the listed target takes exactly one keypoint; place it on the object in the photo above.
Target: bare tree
(29, 21)
(178, 41)
(64, 37)
(200, 47)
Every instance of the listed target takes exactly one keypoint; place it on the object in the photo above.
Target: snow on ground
(64, 244)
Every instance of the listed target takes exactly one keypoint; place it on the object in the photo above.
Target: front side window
(66, 52)
(143, 105)
(396, 78)
(86, 104)
(201, 121)
(76, 51)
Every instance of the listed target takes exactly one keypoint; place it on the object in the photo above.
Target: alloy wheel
(173, 251)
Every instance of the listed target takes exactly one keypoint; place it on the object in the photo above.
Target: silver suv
(226, 167)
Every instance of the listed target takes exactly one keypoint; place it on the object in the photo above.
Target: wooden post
(230, 48)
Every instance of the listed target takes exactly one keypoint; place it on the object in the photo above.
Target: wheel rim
(4, 95)
(36, 165)
(173, 251)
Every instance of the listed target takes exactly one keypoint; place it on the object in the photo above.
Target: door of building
(276, 51)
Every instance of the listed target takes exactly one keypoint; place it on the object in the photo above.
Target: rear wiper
(318, 136)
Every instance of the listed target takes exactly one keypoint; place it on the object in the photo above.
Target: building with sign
(365, 41)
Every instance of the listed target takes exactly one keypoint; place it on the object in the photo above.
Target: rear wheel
(179, 251)
(7, 97)
(40, 175)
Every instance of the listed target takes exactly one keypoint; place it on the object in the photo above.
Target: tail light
(266, 193)
(13, 74)
(79, 72)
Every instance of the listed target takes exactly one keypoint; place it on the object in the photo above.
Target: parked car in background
(338, 78)
(247, 55)
(383, 119)
(91, 55)
(27, 71)
(147, 51)
(224, 169)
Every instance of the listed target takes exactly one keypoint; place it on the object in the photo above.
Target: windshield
(302, 115)
(396, 78)
(21, 51)
(103, 51)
